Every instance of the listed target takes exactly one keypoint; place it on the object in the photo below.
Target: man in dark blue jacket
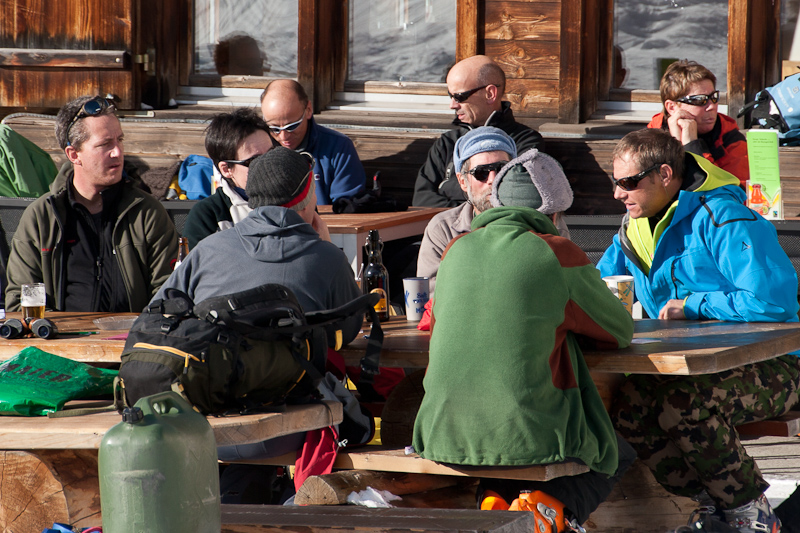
(287, 110)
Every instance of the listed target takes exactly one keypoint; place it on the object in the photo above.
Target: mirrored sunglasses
(275, 130)
(462, 96)
(481, 172)
(631, 182)
(91, 108)
(700, 99)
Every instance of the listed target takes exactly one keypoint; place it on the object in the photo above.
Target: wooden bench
(387, 459)
(49, 465)
(259, 519)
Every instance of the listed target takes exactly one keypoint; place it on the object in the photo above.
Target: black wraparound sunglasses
(243, 162)
(462, 96)
(481, 172)
(631, 182)
(699, 99)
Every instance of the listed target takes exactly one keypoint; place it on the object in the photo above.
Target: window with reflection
(790, 32)
(651, 34)
(401, 40)
(255, 38)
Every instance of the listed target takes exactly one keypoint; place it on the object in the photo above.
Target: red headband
(302, 196)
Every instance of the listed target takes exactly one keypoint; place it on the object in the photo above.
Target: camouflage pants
(683, 428)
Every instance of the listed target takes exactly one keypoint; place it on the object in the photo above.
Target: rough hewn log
(37, 489)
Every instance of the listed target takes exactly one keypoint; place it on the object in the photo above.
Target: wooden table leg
(40, 487)
(638, 503)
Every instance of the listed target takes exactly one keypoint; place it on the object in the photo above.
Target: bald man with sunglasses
(696, 252)
(475, 86)
(287, 110)
(97, 241)
(690, 98)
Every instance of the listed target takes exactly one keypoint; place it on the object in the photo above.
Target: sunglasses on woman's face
(243, 162)
(699, 99)
(481, 172)
(631, 182)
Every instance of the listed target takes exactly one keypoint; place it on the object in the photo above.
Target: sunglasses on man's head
(276, 130)
(462, 96)
(481, 172)
(243, 162)
(91, 108)
(699, 99)
(631, 182)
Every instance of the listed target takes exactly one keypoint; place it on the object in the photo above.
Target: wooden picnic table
(349, 231)
(49, 465)
(681, 347)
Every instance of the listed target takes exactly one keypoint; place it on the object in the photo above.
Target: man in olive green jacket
(97, 241)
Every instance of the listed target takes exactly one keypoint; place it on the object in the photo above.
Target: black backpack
(236, 352)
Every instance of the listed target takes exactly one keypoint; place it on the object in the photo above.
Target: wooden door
(53, 51)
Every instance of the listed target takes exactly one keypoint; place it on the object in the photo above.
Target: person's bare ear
(666, 174)
(225, 170)
(492, 93)
(462, 181)
(72, 155)
(671, 106)
(309, 110)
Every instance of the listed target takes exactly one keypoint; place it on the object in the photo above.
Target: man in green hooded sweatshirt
(507, 384)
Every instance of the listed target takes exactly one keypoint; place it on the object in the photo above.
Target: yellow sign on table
(764, 188)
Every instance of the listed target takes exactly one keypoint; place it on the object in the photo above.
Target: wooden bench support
(639, 504)
(787, 425)
(333, 489)
(378, 458)
(264, 518)
(46, 486)
(48, 466)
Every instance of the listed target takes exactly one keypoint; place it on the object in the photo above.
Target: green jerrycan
(158, 470)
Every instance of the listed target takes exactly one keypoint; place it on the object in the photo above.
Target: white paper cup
(622, 287)
(416, 296)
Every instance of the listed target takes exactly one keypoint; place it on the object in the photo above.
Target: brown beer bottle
(375, 277)
(183, 251)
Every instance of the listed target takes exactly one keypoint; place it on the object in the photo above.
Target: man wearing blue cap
(478, 157)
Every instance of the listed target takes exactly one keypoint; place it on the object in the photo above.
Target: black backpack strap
(370, 363)
(329, 316)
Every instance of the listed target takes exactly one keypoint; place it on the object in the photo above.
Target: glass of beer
(32, 299)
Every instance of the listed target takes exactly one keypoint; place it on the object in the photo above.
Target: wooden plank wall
(76, 25)
(397, 155)
(524, 39)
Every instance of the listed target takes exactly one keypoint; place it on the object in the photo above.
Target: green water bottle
(158, 470)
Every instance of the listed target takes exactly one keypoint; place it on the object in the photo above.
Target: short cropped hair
(650, 147)
(679, 75)
(491, 74)
(228, 130)
(77, 133)
(296, 87)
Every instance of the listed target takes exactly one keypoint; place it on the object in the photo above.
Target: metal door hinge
(148, 61)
